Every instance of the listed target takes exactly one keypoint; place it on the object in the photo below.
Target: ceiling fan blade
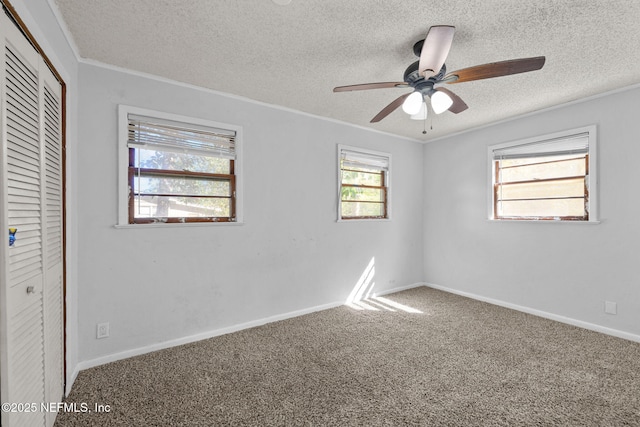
(497, 69)
(367, 86)
(435, 49)
(390, 108)
(458, 105)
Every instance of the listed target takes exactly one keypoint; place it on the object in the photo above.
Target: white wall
(564, 270)
(43, 24)
(156, 286)
(160, 285)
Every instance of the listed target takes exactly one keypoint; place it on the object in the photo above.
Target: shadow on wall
(362, 296)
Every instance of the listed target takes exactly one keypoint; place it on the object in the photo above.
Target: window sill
(365, 220)
(545, 221)
(177, 224)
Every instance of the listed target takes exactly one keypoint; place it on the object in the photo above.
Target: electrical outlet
(610, 307)
(102, 331)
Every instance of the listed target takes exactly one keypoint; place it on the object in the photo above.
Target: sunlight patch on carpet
(362, 298)
(364, 285)
(397, 305)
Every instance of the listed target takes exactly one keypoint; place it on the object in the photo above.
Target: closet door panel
(52, 201)
(26, 352)
(31, 201)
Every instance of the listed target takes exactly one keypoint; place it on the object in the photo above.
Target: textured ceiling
(293, 55)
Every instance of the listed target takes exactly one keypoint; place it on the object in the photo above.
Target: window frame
(591, 176)
(385, 177)
(125, 166)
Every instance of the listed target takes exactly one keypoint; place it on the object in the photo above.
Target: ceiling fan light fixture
(440, 102)
(430, 71)
(412, 104)
(422, 114)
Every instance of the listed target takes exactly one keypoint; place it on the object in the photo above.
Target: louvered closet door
(31, 202)
(52, 236)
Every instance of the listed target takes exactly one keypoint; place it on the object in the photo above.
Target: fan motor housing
(418, 82)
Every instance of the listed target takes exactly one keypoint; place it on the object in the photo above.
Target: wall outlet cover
(610, 307)
(102, 330)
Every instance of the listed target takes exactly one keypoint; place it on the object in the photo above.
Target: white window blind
(549, 177)
(166, 135)
(565, 145)
(363, 184)
(358, 160)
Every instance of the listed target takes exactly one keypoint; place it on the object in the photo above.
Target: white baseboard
(399, 289)
(223, 331)
(71, 380)
(210, 334)
(217, 332)
(546, 315)
(197, 337)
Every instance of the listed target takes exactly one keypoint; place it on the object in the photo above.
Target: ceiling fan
(425, 76)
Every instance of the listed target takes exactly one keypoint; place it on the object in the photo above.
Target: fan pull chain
(424, 124)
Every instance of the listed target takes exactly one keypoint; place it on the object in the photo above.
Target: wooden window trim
(383, 187)
(134, 171)
(498, 184)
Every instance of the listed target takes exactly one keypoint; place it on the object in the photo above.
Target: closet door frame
(7, 8)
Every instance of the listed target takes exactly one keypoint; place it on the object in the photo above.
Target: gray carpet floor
(458, 362)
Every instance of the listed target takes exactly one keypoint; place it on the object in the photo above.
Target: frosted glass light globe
(422, 114)
(412, 104)
(440, 102)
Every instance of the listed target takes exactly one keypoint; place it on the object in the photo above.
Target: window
(364, 184)
(546, 178)
(179, 170)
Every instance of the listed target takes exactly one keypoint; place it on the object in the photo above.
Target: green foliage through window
(180, 174)
(363, 187)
